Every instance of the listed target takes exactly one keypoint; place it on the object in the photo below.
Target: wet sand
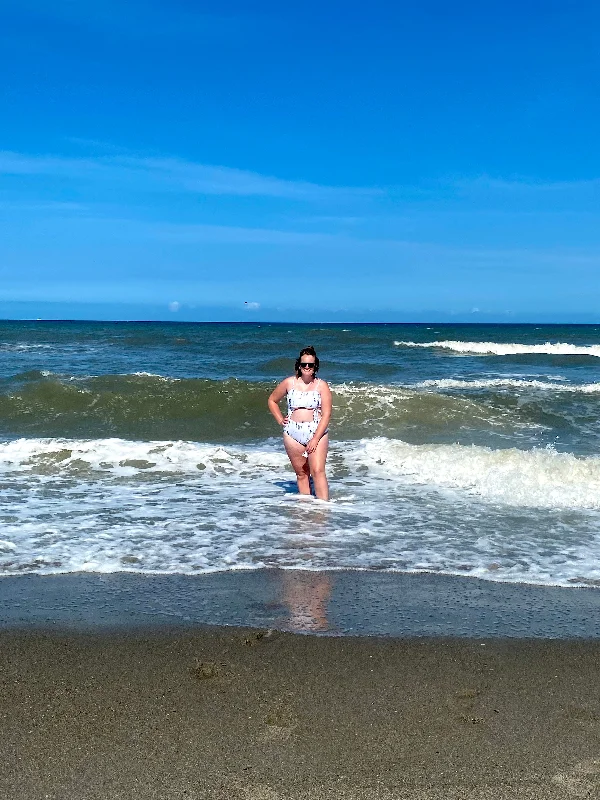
(249, 714)
(349, 602)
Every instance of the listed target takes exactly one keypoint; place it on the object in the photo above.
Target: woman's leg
(316, 464)
(300, 464)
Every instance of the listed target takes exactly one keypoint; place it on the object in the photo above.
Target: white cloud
(525, 184)
(251, 306)
(175, 305)
(230, 234)
(172, 174)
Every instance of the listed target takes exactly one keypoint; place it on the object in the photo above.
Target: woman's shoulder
(322, 384)
(289, 382)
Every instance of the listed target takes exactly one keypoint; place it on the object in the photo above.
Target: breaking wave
(540, 478)
(149, 406)
(508, 383)
(114, 505)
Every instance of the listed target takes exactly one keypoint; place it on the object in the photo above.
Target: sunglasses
(307, 364)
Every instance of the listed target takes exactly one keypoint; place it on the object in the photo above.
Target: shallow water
(467, 450)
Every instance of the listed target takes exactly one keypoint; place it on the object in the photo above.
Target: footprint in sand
(582, 715)
(275, 733)
(280, 723)
(463, 702)
(257, 637)
(205, 670)
(582, 781)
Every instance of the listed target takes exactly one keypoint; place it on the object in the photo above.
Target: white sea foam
(114, 505)
(165, 378)
(509, 348)
(530, 478)
(540, 478)
(23, 346)
(381, 395)
(507, 383)
(123, 457)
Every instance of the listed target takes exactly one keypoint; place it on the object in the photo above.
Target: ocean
(466, 450)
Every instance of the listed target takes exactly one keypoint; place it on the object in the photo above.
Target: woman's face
(307, 366)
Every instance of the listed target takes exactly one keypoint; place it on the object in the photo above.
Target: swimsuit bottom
(302, 432)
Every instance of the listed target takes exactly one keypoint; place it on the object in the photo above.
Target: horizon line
(290, 322)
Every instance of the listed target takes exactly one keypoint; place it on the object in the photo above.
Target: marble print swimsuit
(303, 432)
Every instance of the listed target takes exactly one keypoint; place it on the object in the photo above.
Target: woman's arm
(325, 417)
(274, 399)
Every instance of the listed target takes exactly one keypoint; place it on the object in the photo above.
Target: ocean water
(458, 449)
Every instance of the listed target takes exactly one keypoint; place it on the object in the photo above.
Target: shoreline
(244, 714)
(332, 603)
(123, 686)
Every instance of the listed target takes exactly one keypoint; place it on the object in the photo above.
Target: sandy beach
(248, 713)
(300, 400)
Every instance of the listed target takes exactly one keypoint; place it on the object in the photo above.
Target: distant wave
(508, 383)
(510, 348)
(21, 346)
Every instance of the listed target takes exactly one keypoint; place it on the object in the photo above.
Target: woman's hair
(306, 351)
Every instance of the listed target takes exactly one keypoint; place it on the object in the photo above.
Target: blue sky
(331, 160)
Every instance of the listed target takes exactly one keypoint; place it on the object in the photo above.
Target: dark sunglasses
(307, 364)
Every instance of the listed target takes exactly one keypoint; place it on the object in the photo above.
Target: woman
(305, 428)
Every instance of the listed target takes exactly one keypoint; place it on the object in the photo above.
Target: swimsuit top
(299, 399)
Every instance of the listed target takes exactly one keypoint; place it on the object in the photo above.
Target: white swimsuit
(303, 432)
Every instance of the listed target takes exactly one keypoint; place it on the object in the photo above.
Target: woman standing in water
(305, 427)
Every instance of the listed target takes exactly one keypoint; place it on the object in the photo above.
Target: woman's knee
(318, 471)
(302, 472)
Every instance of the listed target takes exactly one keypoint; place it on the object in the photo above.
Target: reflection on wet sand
(306, 596)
